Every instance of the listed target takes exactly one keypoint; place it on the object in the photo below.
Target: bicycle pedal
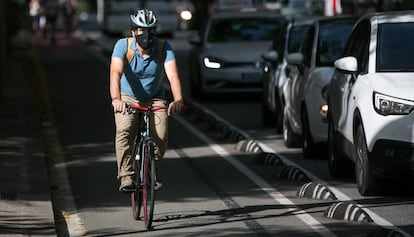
(158, 186)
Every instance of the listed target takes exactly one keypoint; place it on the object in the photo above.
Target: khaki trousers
(127, 126)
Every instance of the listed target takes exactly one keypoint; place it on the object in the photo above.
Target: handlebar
(130, 108)
(140, 108)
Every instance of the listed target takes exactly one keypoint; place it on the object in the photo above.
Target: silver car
(305, 108)
(227, 56)
(276, 69)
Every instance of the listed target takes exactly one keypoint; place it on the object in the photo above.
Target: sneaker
(127, 184)
(158, 185)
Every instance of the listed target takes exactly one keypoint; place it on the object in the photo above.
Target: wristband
(115, 98)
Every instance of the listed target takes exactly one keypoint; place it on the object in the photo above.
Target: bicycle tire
(148, 183)
(136, 199)
(136, 196)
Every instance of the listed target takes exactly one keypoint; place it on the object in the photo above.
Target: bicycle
(144, 167)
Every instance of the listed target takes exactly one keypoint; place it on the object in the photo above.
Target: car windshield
(395, 48)
(332, 39)
(297, 35)
(244, 29)
(296, 4)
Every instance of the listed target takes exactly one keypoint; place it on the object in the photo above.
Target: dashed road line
(264, 185)
(340, 195)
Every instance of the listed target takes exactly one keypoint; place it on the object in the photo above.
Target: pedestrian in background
(51, 11)
(69, 9)
(34, 12)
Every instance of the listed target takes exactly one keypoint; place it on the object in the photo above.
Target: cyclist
(140, 81)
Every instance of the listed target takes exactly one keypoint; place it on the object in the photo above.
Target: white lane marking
(265, 186)
(340, 195)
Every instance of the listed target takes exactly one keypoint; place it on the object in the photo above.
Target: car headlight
(212, 62)
(387, 105)
(186, 15)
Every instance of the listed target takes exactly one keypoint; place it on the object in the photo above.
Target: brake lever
(129, 110)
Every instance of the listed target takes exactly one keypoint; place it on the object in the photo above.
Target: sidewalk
(25, 195)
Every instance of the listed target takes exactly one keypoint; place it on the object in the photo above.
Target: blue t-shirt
(142, 78)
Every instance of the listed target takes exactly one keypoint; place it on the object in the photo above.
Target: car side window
(358, 45)
(296, 36)
(308, 46)
(279, 43)
(363, 56)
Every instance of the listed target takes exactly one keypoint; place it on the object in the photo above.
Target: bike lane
(25, 198)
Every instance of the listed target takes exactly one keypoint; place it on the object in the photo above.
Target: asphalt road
(212, 186)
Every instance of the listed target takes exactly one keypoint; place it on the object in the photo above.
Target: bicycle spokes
(149, 182)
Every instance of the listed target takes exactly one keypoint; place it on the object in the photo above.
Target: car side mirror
(347, 64)
(296, 59)
(270, 56)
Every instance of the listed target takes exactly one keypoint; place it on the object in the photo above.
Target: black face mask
(145, 40)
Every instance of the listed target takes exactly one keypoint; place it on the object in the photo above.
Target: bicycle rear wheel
(148, 183)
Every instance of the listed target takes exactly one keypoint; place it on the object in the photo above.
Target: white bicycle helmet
(143, 18)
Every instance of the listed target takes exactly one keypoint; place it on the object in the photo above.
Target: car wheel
(290, 138)
(308, 146)
(279, 122)
(279, 119)
(366, 180)
(339, 167)
(268, 117)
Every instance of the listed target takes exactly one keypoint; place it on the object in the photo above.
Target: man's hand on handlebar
(119, 106)
(175, 107)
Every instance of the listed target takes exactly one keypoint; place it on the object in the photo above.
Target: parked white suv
(371, 101)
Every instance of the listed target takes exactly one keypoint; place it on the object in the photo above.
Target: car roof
(247, 14)
(389, 16)
(334, 19)
(305, 20)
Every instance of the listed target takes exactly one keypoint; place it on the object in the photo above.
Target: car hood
(393, 84)
(236, 52)
(321, 76)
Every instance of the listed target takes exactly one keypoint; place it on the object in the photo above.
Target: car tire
(367, 182)
(309, 148)
(268, 117)
(290, 138)
(279, 118)
(339, 166)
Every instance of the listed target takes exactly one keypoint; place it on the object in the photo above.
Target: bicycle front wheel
(148, 191)
(136, 196)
